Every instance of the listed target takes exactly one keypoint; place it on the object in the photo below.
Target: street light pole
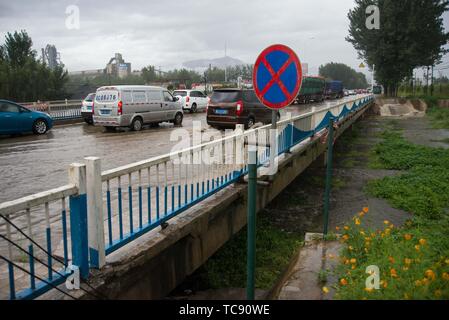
(372, 78)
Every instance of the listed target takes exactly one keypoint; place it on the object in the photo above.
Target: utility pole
(372, 78)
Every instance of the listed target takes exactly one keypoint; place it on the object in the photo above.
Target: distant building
(51, 57)
(118, 67)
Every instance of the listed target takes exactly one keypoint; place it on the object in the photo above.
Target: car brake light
(187, 99)
(239, 108)
(120, 106)
(93, 107)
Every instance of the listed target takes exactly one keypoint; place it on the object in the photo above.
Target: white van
(134, 106)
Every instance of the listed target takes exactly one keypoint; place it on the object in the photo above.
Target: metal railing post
(330, 146)
(97, 251)
(78, 219)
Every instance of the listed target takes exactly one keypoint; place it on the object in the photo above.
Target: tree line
(23, 77)
(410, 34)
(339, 71)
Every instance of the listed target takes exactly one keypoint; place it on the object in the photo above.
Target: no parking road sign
(277, 76)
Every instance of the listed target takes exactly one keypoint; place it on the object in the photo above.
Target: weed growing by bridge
(414, 259)
(274, 250)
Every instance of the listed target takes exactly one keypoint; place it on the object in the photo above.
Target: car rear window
(250, 96)
(225, 96)
(90, 97)
(180, 93)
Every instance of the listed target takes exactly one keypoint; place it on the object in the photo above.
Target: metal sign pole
(251, 251)
(272, 63)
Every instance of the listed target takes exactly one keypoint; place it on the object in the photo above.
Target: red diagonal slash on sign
(276, 77)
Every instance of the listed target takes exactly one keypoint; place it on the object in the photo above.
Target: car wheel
(249, 123)
(137, 124)
(40, 126)
(193, 109)
(178, 119)
(110, 129)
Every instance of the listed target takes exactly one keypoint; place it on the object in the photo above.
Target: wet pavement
(31, 164)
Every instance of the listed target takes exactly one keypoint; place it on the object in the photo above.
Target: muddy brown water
(31, 164)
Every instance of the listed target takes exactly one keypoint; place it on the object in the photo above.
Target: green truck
(312, 89)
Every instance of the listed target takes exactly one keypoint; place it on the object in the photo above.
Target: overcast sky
(167, 33)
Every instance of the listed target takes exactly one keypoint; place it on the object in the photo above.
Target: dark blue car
(16, 119)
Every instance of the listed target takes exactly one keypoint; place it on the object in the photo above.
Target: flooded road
(31, 164)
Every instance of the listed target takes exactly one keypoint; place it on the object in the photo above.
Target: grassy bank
(414, 259)
(274, 250)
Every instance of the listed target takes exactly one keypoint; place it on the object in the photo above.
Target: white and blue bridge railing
(58, 110)
(40, 236)
(109, 209)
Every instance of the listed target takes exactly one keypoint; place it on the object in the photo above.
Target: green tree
(23, 77)
(411, 34)
(149, 74)
(339, 71)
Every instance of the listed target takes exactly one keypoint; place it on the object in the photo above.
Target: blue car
(16, 119)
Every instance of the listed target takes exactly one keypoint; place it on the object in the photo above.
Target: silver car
(134, 106)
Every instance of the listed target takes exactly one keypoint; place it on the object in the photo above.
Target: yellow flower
(405, 268)
(408, 237)
(393, 273)
(417, 248)
(391, 259)
(430, 275)
(369, 290)
(357, 222)
(363, 234)
(445, 276)
(386, 222)
(408, 261)
(362, 214)
(384, 284)
(387, 231)
(343, 282)
(418, 283)
(425, 281)
(365, 209)
(366, 250)
(337, 228)
(353, 261)
(447, 261)
(347, 261)
(351, 248)
(422, 242)
(353, 267)
(346, 228)
(325, 290)
(345, 237)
